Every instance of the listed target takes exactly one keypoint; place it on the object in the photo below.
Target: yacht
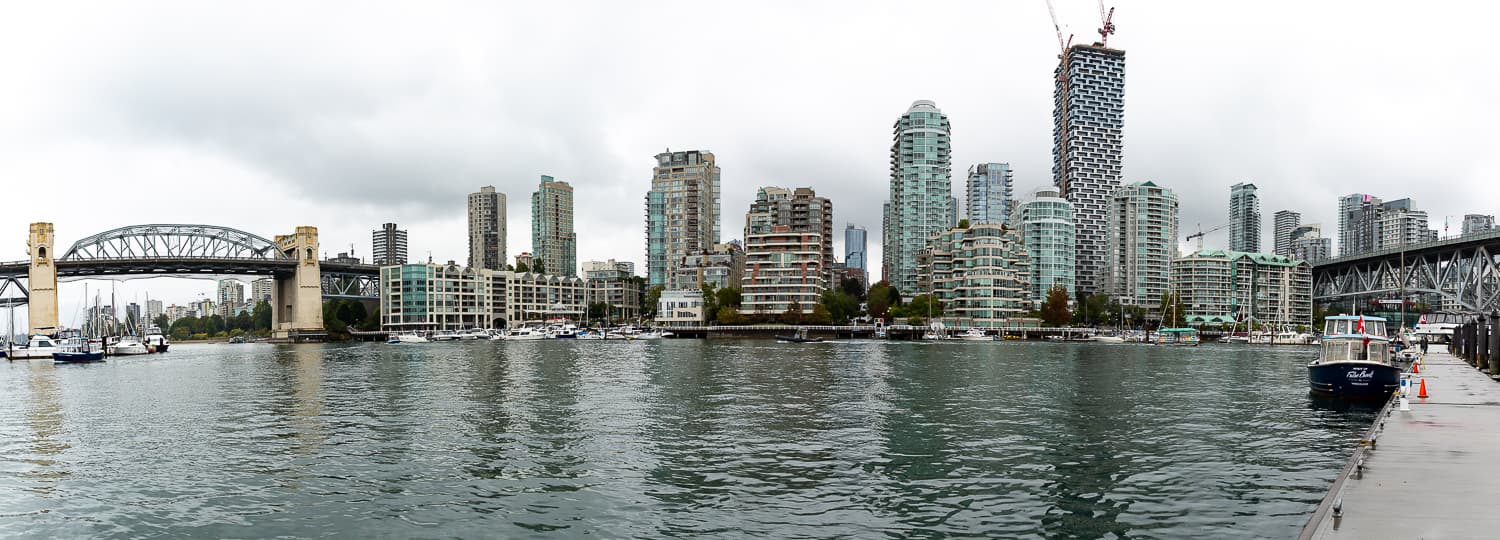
(155, 341)
(444, 335)
(39, 346)
(410, 337)
(1354, 360)
(976, 334)
(525, 334)
(128, 345)
(1109, 338)
(562, 331)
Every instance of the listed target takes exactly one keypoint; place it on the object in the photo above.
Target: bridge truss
(173, 242)
(1464, 273)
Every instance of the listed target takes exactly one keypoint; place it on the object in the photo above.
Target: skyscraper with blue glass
(921, 192)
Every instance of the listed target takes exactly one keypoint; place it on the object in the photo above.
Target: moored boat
(1179, 337)
(976, 334)
(1354, 361)
(39, 346)
(77, 357)
(800, 336)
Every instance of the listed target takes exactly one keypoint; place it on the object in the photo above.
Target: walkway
(1433, 470)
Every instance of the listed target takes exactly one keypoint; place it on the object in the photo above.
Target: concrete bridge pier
(42, 279)
(297, 299)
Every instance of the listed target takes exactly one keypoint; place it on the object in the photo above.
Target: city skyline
(377, 144)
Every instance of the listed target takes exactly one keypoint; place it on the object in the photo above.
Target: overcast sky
(344, 116)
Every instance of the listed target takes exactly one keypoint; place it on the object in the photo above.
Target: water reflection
(45, 418)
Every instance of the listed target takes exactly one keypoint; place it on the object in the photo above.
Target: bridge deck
(1430, 474)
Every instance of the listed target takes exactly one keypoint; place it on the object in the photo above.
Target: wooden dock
(1430, 472)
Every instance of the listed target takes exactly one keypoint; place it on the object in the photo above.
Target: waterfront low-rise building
(427, 297)
(616, 285)
(980, 274)
(1222, 288)
(680, 307)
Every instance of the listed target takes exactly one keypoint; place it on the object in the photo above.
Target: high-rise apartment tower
(921, 192)
(1088, 119)
(989, 193)
(682, 211)
(554, 245)
(389, 245)
(1285, 222)
(1244, 218)
(487, 229)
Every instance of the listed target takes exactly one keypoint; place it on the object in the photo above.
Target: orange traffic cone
(1422, 389)
(1416, 367)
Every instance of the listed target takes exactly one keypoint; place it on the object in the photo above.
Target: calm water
(669, 439)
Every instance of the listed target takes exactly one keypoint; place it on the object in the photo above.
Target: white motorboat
(976, 334)
(525, 334)
(411, 338)
(1109, 338)
(39, 346)
(444, 335)
(562, 331)
(128, 345)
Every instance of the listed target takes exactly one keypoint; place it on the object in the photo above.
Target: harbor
(1422, 473)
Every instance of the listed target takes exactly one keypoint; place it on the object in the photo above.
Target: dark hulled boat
(77, 357)
(800, 336)
(1355, 361)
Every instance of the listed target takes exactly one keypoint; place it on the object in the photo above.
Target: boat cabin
(1343, 325)
(1351, 348)
(1173, 336)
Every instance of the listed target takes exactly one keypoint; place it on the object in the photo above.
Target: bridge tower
(42, 279)
(297, 299)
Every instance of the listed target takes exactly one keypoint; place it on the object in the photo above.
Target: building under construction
(1088, 118)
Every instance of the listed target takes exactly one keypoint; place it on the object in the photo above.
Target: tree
(793, 314)
(882, 297)
(161, 322)
(924, 305)
(372, 322)
(728, 297)
(261, 316)
(853, 287)
(598, 310)
(840, 306)
(820, 315)
(520, 267)
(963, 223)
(1091, 308)
(652, 297)
(1055, 308)
(710, 302)
(729, 315)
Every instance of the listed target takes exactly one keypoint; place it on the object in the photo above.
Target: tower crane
(1201, 232)
(1107, 24)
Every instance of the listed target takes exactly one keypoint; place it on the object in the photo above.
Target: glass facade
(921, 192)
(1244, 218)
(981, 274)
(682, 211)
(554, 245)
(989, 194)
(1047, 228)
(1141, 244)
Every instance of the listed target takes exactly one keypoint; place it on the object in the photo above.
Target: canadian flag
(1422, 320)
(1360, 328)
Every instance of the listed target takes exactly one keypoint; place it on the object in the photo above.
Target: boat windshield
(1336, 350)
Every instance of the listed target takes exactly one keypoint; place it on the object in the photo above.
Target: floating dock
(1424, 473)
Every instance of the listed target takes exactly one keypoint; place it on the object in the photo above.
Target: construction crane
(1107, 24)
(1063, 45)
(1201, 232)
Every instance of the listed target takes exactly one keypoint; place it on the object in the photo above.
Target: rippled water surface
(669, 439)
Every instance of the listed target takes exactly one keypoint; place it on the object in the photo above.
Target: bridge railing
(1493, 234)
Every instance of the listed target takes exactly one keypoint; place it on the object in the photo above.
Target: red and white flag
(1422, 320)
(1360, 328)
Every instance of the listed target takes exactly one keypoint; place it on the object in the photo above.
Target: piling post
(1482, 344)
(1494, 344)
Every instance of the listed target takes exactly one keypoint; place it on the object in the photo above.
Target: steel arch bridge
(186, 250)
(1464, 271)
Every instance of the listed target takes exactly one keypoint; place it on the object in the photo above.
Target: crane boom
(1199, 235)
